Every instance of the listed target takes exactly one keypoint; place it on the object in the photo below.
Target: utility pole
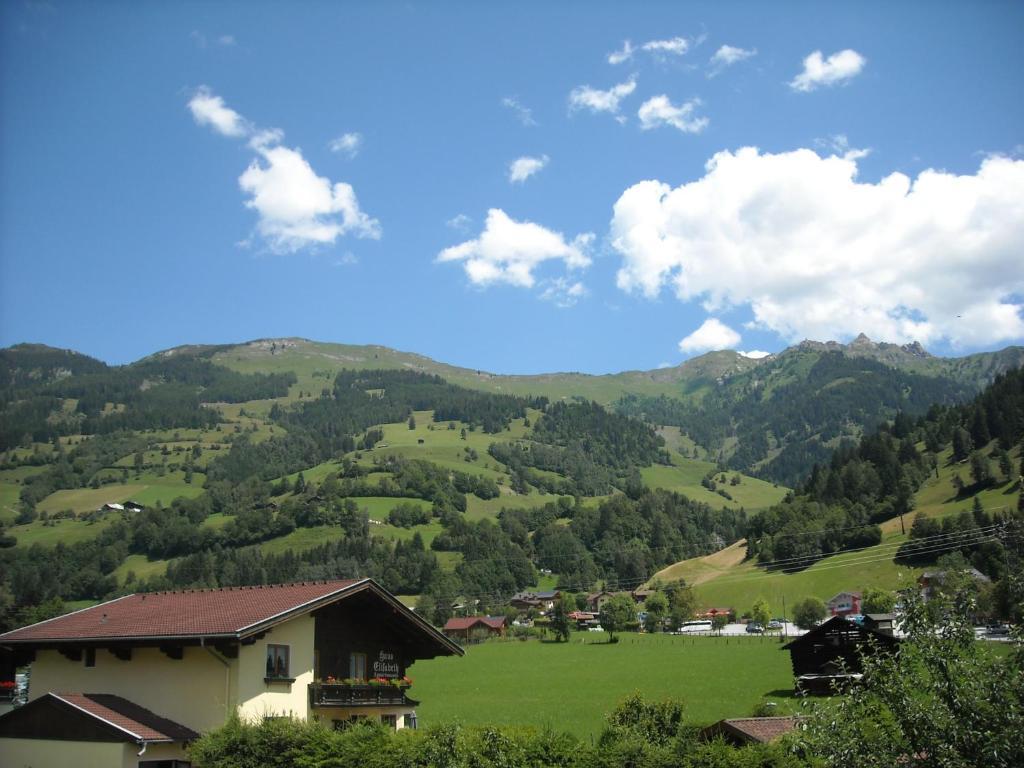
(785, 621)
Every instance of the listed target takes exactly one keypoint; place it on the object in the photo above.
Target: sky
(517, 187)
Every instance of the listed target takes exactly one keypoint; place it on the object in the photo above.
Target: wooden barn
(831, 653)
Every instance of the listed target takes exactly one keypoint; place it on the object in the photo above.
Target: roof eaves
(64, 616)
(136, 737)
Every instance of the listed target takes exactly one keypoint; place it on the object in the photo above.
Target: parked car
(755, 628)
(598, 628)
(997, 629)
(775, 624)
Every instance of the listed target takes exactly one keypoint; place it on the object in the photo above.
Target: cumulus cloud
(208, 109)
(347, 144)
(659, 111)
(296, 207)
(585, 97)
(562, 292)
(754, 354)
(712, 335)
(622, 55)
(509, 251)
(839, 144)
(728, 55)
(837, 68)
(816, 254)
(523, 114)
(676, 46)
(522, 168)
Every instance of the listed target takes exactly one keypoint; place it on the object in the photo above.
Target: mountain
(779, 416)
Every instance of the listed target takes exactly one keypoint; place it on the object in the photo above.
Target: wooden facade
(832, 652)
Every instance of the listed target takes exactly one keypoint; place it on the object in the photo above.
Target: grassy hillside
(724, 579)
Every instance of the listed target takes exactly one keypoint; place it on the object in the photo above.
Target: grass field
(684, 477)
(66, 531)
(571, 686)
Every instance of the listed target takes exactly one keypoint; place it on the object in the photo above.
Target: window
(410, 721)
(357, 666)
(277, 662)
(390, 721)
(90, 657)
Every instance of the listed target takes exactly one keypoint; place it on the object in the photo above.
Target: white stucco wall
(258, 699)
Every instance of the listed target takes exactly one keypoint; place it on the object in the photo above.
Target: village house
(830, 654)
(474, 628)
(844, 604)
(930, 582)
(596, 599)
(129, 682)
(541, 601)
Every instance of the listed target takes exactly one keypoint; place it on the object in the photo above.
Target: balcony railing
(363, 695)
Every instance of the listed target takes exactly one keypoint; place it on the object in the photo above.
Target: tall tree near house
(561, 625)
(616, 614)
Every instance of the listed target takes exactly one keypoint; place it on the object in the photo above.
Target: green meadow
(570, 686)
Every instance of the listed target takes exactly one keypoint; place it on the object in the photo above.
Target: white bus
(695, 626)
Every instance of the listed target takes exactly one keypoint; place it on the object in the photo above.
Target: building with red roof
(332, 650)
(470, 628)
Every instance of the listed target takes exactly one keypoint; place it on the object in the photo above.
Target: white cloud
(620, 56)
(201, 41)
(296, 207)
(712, 335)
(676, 46)
(523, 114)
(754, 354)
(508, 251)
(585, 97)
(728, 55)
(208, 109)
(522, 168)
(837, 68)
(840, 145)
(562, 292)
(816, 254)
(658, 111)
(665, 365)
(348, 144)
(460, 222)
(226, 40)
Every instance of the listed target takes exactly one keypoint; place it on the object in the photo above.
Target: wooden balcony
(365, 695)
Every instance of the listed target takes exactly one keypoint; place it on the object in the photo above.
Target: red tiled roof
(467, 622)
(759, 729)
(137, 722)
(189, 613)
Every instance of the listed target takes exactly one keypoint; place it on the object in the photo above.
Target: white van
(695, 626)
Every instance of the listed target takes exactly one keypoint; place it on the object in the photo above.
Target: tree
(809, 612)
(616, 614)
(942, 701)
(760, 612)
(657, 608)
(876, 600)
(682, 604)
(412, 422)
(561, 625)
(981, 470)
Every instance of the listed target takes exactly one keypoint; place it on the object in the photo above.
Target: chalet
(641, 594)
(584, 619)
(882, 622)
(930, 581)
(112, 507)
(831, 653)
(596, 599)
(741, 731)
(844, 604)
(133, 506)
(542, 601)
(129, 682)
(472, 628)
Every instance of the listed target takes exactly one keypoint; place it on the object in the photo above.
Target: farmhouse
(471, 628)
(129, 682)
(543, 601)
(845, 604)
(931, 581)
(831, 653)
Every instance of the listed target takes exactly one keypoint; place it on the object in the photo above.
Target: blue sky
(738, 175)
